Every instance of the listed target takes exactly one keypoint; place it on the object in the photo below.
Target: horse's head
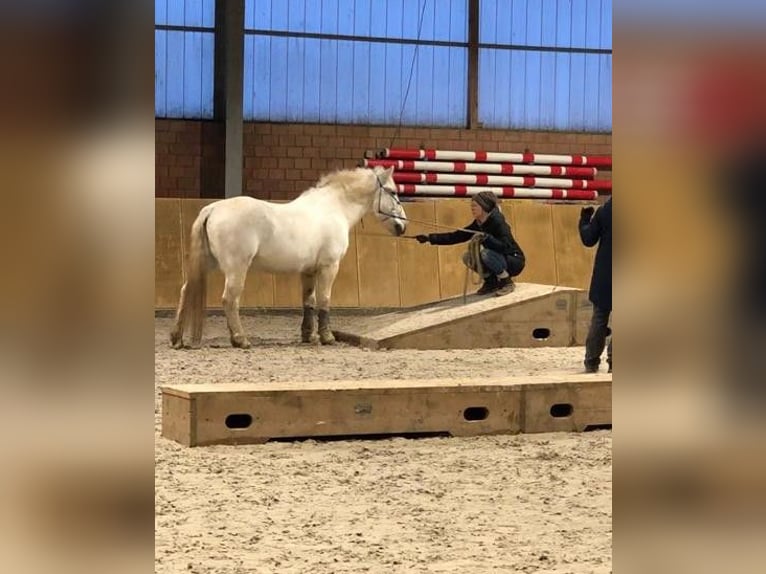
(387, 207)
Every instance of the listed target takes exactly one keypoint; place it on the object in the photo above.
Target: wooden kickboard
(241, 413)
(531, 316)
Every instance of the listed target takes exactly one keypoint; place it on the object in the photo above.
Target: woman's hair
(486, 200)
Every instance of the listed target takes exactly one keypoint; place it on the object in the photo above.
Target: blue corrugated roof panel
(312, 80)
(524, 82)
(183, 74)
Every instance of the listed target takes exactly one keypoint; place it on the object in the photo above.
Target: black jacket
(499, 237)
(599, 230)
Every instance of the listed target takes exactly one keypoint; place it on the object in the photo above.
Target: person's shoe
(591, 369)
(490, 285)
(505, 286)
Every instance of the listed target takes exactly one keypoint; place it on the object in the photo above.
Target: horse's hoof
(240, 342)
(176, 341)
(327, 338)
(309, 339)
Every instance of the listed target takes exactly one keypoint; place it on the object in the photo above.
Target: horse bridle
(392, 192)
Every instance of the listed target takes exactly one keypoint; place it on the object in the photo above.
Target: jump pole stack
(454, 173)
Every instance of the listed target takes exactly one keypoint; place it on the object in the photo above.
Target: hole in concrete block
(561, 410)
(605, 426)
(239, 421)
(363, 409)
(541, 333)
(475, 413)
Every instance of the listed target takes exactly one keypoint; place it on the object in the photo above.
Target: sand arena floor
(525, 503)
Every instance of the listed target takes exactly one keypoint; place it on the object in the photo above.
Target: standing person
(598, 229)
(500, 255)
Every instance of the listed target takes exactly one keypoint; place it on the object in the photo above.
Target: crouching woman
(499, 256)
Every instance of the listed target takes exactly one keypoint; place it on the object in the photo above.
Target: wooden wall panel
(378, 258)
(574, 261)
(418, 264)
(259, 290)
(454, 213)
(383, 271)
(287, 290)
(533, 231)
(506, 206)
(168, 264)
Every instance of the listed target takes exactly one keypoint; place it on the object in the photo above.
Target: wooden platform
(531, 316)
(238, 413)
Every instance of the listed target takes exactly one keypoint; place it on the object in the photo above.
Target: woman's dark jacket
(498, 235)
(599, 230)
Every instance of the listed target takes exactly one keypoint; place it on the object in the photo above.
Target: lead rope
(473, 263)
(474, 246)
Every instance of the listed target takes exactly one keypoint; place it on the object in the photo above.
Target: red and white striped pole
(504, 192)
(491, 168)
(501, 180)
(454, 155)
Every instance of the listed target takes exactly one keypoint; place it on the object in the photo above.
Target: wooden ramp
(531, 316)
(239, 413)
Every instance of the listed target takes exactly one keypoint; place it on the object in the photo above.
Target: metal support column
(229, 71)
(473, 64)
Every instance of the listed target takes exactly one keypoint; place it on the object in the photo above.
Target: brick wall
(189, 160)
(282, 160)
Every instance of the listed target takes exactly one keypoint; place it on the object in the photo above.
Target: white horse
(308, 235)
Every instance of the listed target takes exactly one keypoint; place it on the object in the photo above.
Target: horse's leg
(325, 279)
(232, 290)
(177, 334)
(309, 327)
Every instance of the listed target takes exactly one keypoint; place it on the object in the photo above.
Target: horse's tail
(191, 307)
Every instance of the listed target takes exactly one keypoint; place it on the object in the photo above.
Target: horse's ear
(377, 170)
(389, 171)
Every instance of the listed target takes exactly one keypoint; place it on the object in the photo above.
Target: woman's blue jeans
(493, 263)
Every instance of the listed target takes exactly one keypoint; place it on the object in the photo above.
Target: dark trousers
(495, 263)
(515, 264)
(596, 341)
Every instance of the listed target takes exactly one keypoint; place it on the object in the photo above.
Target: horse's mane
(352, 184)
